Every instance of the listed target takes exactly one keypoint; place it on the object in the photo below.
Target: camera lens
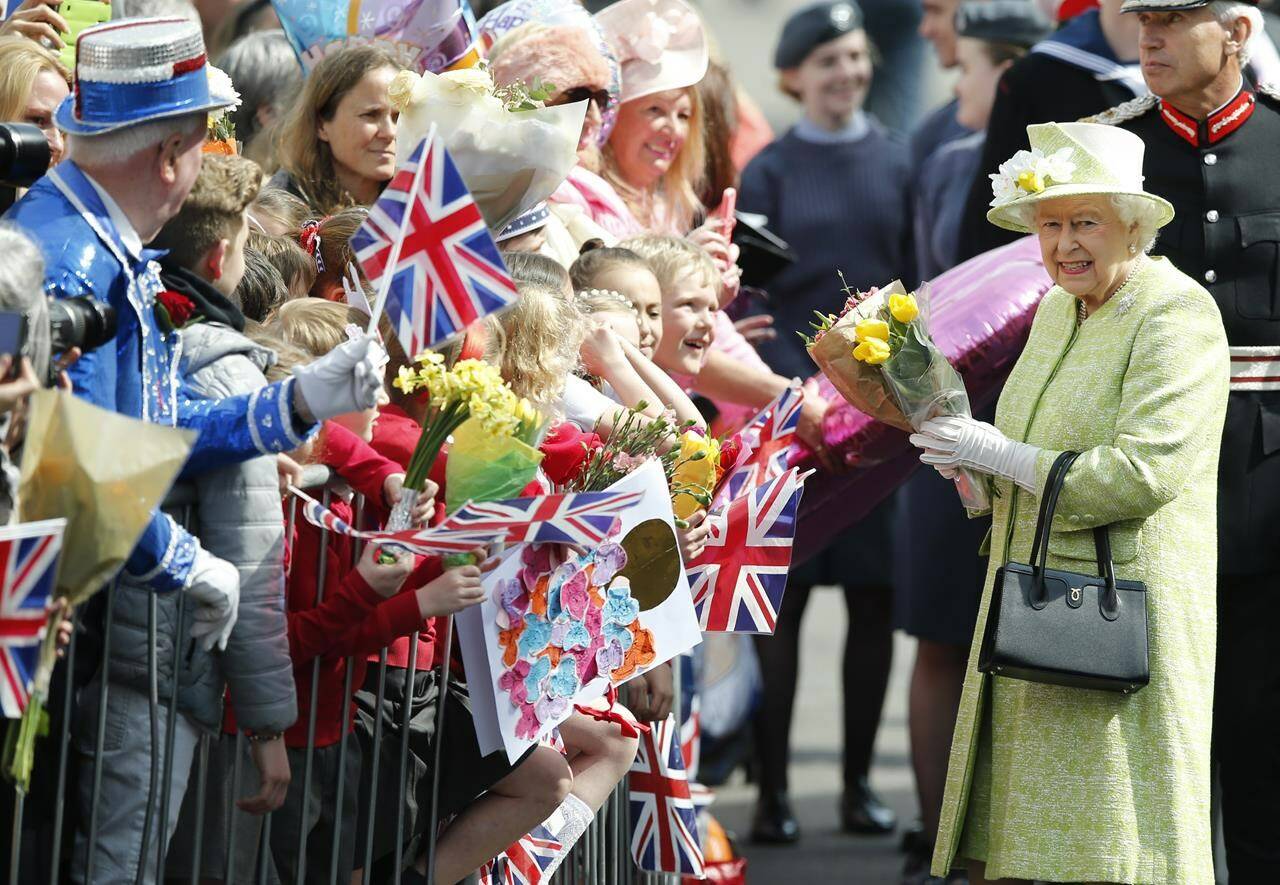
(24, 154)
(82, 322)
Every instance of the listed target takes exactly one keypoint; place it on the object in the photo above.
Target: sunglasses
(584, 93)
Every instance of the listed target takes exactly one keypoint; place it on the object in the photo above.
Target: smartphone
(80, 14)
(728, 212)
(13, 338)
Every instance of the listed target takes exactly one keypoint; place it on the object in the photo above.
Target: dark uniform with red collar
(1222, 176)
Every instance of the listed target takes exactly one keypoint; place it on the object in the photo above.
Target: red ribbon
(628, 727)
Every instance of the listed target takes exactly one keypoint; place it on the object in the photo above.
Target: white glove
(952, 443)
(215, 585)
(346, 379)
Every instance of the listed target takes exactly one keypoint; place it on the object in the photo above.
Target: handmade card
(559, 625)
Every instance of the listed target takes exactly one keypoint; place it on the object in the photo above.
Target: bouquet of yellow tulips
(878, 354)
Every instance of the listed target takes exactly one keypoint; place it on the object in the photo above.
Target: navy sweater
(841, 206)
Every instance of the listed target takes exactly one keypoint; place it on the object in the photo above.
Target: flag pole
(390, 270)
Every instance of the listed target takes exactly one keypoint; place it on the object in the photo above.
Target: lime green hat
(1070, 160)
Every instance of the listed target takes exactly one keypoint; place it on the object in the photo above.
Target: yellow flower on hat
(869, 329)
(903, 307)
(1030, 182)
(872, 351)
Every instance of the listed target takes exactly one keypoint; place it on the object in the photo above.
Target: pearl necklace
(1082, 312)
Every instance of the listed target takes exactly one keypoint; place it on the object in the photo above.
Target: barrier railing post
(322, 564)
(376, 762)
(171, 723)
(237, 766)
(153, 711)
(405, 716)
(335, 854)
(64, 752)
(202, 782)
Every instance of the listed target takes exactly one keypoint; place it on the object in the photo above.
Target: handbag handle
(1044, 524)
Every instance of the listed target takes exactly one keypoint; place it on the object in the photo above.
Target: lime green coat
(1071, 785)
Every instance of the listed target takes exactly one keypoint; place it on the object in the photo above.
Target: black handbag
(1064, 628)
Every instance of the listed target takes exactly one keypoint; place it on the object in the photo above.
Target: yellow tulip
(873, 351)
(903, 307)
(695, 473)
(868, 330)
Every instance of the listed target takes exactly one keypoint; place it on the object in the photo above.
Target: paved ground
(826, 855)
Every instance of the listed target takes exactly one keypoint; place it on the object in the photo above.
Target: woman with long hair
(337, 146)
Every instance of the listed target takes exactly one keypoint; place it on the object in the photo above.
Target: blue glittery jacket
(85, 255)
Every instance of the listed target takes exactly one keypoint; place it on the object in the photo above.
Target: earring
(1133, 250)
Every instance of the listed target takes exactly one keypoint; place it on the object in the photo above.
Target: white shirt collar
(856, 129)
(128, 236)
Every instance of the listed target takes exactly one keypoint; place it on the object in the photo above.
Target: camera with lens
(82, 322)
(24, 158)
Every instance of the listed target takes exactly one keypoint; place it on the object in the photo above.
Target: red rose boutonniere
(173, 310)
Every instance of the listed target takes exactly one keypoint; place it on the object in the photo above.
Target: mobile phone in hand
(13, 338)
(727, 210)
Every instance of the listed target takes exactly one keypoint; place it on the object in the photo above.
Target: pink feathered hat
(661, 44)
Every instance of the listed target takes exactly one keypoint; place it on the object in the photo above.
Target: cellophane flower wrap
(511, 152)
(496, 462)
(880, 357)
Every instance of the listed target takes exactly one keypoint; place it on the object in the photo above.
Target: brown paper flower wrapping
(106, 473)
(861, 384)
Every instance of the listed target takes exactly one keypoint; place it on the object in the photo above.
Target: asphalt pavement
(824, 854)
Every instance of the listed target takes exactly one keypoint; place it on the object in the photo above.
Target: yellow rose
(873, 351)
(868, 330)
(1030, 182)
(903, 307)
(695, 475)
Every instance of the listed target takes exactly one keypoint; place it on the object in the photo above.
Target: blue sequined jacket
(139, 376)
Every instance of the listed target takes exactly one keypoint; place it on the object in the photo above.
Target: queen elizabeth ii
(1127, 364)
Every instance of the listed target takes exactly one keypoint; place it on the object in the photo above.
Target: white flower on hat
(221, 87)
(1030, 172)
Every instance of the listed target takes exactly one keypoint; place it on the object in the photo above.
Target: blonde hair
(21, 61)
(677, 190)
(307, 159)
(314, 326)
(535, 344)
(213, 211)
(672, 258)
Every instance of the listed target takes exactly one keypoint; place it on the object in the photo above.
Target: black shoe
(861, 811)
(774, 822)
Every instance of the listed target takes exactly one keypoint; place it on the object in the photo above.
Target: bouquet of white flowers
(512, 153)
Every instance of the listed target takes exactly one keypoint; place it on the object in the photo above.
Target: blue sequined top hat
(135, 71)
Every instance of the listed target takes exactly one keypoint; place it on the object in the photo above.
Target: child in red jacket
(340, 611)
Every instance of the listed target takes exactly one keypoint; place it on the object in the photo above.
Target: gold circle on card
(653, 562)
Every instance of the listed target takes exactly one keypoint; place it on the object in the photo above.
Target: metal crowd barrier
(601, 857)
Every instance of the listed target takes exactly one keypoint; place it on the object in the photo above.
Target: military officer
(1212, 140)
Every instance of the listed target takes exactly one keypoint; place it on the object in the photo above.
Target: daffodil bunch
(880, 337)
(470, 389)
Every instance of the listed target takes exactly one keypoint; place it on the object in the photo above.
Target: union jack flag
(437, 540)
(525, 861)
(428, 234)
(664, 828)
(29, 565)
(738, 581)
(582, 518)
(770, 435)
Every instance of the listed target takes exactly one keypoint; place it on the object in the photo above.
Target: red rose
(178, 306)
(566, 450)
(729, 451)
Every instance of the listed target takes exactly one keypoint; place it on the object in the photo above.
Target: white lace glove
(215, 585)
(344, 380)
(952, 443)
